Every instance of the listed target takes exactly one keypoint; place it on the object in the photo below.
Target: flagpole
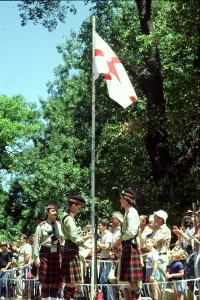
(93, 213)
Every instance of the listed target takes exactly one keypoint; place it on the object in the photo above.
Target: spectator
(144, 230)
(5, 263)
(14, 253)
(162, 235)
(131, 269)
(117, 220)
(105, 245)
(153, 275)
(176, 272)
(151, 225)
(46, 252)
(31, 239)
(187, 242)
(24, 255)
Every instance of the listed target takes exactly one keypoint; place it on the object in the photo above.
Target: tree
(154, 144)
(46, 12)
(19, 124)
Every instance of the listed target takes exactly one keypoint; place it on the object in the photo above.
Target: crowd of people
(136, 246)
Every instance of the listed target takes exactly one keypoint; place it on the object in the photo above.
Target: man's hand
(118, 242)
(87, 237)
(178, 232)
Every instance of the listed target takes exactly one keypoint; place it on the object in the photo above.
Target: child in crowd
(175, 272)
(152, 274)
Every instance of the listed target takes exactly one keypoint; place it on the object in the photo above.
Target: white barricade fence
(32, 288)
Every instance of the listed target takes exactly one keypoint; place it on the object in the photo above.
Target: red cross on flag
(105, 61)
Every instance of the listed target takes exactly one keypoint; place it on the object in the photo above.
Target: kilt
(71, 268)
(131, 268)
(49, 271)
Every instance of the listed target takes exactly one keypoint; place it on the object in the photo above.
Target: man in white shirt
(24, 255)
(105, 245)
(162, 235)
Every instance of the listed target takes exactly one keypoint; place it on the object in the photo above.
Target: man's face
(142, 221)
(157, 220)
(52, 214)
(101, 227)
(22, 240)
(3, 248)
(114, 221)
(31, 239)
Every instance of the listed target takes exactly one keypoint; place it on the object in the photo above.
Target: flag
(105, 61)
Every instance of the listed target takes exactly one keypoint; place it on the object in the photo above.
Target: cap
(119, 216)
(129, 194)
(76, 199)
(52, 205)
(3, 243)
(187, 213)
(161, 214)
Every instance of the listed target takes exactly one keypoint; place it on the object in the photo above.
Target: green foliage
(19, 125)
(45, 12)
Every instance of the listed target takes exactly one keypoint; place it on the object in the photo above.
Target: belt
(69, 245)
(131, 242)
(44, 249)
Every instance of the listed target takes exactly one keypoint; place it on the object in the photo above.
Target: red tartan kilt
(50, 272)
(71, 270)
(131, 268)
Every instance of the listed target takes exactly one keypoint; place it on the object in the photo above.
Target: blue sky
(28, 54)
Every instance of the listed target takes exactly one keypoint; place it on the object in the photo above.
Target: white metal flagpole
(94, 258)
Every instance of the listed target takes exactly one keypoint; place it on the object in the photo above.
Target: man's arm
(26, 259)
(105, 246)
(7, 266)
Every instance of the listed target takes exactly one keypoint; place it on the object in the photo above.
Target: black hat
(52, 205)
(76, 199)
(129, 194)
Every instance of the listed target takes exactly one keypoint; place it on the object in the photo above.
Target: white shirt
(151, 257)
(106, 238)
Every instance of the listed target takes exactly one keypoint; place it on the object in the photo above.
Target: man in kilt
(46, 253)
(71, 270)
(131, 269)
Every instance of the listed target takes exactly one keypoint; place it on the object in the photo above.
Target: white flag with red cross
(105, 61)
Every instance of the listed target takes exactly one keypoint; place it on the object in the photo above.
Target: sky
(28, 54)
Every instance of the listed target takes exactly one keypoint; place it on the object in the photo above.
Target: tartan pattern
(50, 272)
(71, 269)
(131, 269)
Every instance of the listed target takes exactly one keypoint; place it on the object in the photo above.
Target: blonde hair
(153, 241)
(183, 255)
